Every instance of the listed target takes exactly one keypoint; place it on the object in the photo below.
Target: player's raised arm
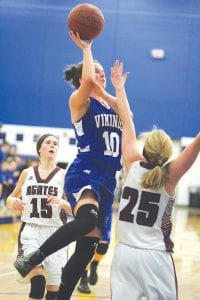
(80, 98)
(179, 166)
(130, 152)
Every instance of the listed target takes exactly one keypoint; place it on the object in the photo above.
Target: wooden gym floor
(186, 256)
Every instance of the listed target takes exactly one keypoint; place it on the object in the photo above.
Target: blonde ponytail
(154, 178)
(157, 150)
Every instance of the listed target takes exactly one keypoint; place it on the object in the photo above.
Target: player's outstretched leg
(85, 221)
(25, 264)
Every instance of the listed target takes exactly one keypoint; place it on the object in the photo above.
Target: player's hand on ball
(77, 40)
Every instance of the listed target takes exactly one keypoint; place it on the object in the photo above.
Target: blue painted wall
(35, 48)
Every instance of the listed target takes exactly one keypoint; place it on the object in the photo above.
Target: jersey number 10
(112, 143)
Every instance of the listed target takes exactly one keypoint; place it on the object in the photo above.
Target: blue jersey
(98, 136)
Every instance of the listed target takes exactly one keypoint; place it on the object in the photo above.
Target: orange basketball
(86, 19)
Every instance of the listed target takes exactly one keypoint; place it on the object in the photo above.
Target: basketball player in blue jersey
(39, 195)
(90, 179)
(142, 263)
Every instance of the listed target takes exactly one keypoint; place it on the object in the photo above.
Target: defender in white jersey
(142, 263)
(40, 198)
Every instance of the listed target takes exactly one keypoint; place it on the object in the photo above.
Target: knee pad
(102, 248)
(37, 287)
(51, 295)
(88, 216)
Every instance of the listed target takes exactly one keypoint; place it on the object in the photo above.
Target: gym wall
(36, 47)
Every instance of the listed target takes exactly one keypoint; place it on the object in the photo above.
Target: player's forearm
(88, 64)
(123, 105)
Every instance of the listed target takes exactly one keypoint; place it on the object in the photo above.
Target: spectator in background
(5, 174)
(4, 151)
(1, 184)
(12, 151)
